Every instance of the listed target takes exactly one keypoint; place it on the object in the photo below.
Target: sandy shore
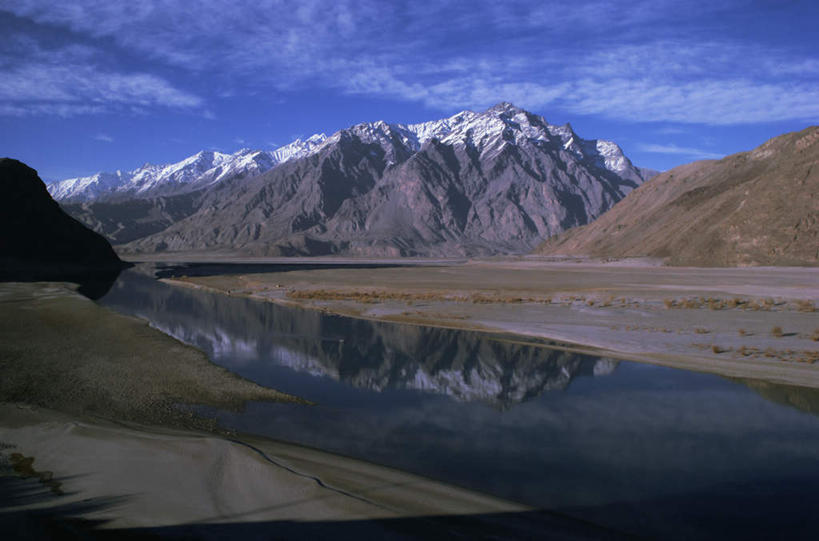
(95, 442)
(757, 323)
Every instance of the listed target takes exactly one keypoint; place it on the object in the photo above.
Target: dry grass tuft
(409, 297)
(805, 306)
(776, 331)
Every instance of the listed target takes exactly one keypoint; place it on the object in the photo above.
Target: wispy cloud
(63, 110)
(74, 79)
(639, 60)
(670, 130)
(84, 84)
(688, 152)
(714, 102)
(104, 138)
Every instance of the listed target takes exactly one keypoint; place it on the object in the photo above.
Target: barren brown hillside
(753, 208)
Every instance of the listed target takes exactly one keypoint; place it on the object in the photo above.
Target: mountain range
(752, 208)
(497, 181)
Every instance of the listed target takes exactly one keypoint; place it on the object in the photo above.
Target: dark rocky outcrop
(39, 241)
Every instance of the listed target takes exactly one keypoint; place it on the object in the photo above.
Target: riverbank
(757, 323)
(96, 440)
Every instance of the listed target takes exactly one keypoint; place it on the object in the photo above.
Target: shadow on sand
(30, 510)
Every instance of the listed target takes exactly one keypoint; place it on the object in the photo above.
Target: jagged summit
(505, 107)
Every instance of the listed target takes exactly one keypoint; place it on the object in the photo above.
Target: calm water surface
(648, 450)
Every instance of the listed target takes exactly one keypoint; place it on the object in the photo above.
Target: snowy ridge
(298, 148)
(203, 169)
(488, 132)
(491, 129)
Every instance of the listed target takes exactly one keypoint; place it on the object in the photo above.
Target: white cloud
(104, 138)
(670, 130)
(49, 109)
(82, 89)
(74, 79)
(643, 60)
(713, 102)
(683, 151)
(50, 83)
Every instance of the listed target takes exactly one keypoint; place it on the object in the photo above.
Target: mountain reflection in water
(467, 366)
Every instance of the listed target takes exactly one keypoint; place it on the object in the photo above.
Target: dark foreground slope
(753, 208)
(40, 241)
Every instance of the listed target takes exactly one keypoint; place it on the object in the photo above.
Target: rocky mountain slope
(129, 219)
(753, 208)
(499, 181)
(39, 240)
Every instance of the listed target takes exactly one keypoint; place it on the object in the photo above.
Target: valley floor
(757, 323)
(94, 443)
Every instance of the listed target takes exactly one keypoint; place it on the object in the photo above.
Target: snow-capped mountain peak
(298, 148)
(425, 131)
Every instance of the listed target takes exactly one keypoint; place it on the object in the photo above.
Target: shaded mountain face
(753, 208)
(38, 238)
(129, 219)
(499, 181)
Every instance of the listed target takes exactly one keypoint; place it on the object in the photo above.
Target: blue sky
(101, 85)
